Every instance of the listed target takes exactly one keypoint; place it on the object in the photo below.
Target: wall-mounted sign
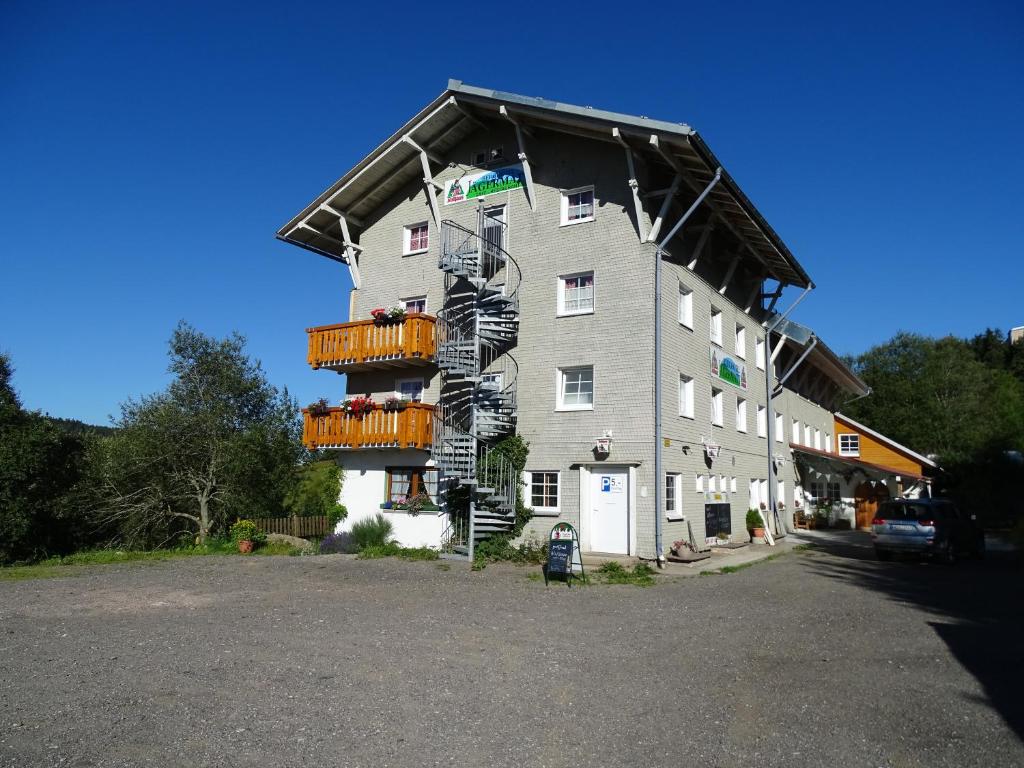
(728, 368)
(482, 183)
(612, 484)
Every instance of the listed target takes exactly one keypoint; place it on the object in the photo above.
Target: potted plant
(246, 534)
(358, 406)
(755, 525)
(319, 407)
(395, 404)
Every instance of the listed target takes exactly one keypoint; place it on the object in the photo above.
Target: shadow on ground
(978, 608)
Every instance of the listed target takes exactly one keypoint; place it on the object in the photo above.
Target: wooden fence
(303, 527)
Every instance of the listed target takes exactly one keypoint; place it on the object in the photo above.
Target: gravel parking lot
(817, 658)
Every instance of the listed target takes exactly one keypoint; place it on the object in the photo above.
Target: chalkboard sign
(563, 553)
(717, 519)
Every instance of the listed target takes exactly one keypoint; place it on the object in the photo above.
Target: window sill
(571, 408)
(687, 327)
(675, 518)
(577, 221)
(742, 431)
(686, 416)
(546, 512)
(574, 314)
(414, 253)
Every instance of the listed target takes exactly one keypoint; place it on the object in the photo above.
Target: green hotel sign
(728, 368)
(483, 183)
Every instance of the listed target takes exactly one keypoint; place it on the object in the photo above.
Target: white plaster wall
(363, 490)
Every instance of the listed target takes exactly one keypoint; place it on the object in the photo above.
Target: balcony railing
(365, 344)
(411, 427)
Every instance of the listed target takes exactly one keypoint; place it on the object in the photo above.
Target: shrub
(754, 520)
(336, 514)
(338, 544)
(246, 530)
(372, 532)
(392, 549)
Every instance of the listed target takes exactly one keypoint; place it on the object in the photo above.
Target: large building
(504, 252)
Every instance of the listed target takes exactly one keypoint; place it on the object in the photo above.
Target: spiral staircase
(476, 328)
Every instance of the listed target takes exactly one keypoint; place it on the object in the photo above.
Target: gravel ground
(817, 658)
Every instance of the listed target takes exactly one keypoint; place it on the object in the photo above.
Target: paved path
(817, 658)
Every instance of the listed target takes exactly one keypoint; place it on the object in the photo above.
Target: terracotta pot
(758, 533)
(245, 546)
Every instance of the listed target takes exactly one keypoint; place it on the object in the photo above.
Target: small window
(807, 435)
(415, 304)
(405, 482)
(576, 389)
(741, 342)
(712, 484)
(741, 415)
(796, 432)
(576, 294)
(828, 442)
(409, 389)
(543, 491)
(817, 439)
(780, 493)
(716, 407)
(716, 326)
(577, 205)
(779, 429)
(686, 396)
(685, 306)
(762, 421)
(416, 238)
(486, 156)
(673, 502)
(759, 353)
(732, 485)
(699, 483)
(849, 445)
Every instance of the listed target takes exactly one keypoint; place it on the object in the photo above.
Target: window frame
(698, 483)
(560, 380)
(405, 303)
(545, 511)
(780, 429)
(685, 306)
(759, 354)
(715, 325)
(563, 208)
(673, 482)
(408, 380)
(852, 438)
(407, 249)
(686, 387)
(416, 475)
(741, 423)
(762, 421)
(560, 310)
(740, 342)
(717, 407)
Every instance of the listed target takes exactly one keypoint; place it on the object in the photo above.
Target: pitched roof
(886, 440)
(459, 111)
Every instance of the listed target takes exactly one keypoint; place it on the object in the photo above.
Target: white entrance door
(609, 511)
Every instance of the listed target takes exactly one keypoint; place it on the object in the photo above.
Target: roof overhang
(825, 462)
(463, 109)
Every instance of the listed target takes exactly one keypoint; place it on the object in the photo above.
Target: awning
(846, 466)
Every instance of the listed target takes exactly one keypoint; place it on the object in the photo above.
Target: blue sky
(148, 153)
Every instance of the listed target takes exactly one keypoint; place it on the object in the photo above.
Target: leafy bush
(246, 530)
(641, 575)
(754, 520)
(500, 548)
(338, 544)
(372, 532)
(336, 514)
(392, 549)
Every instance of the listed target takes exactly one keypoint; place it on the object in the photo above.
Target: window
(716, 407)
(825, 491)
(416, 238)
(828, 442)
(485, 156)
(543, 491)
(753, 493)
(576, 294)
(577, 205)
(685, 306)
(807, 435)
(415, 304)
(759, 353)
(780, 494)
(685, 396)
(849, 445)
(779, 429)
(699, 483)
(406, 482)
(409, 389)
(576, 389)
(762, 421)
(712, 483)
(673, 503)
(796, 431)
(716, 326)
(732, 485)
(741, 415)
(722, 486)
(741, 342)
(817, 439)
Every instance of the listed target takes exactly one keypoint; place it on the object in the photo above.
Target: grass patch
(375, 551)
(640, 575)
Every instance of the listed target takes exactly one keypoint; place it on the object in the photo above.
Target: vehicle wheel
(883, 555)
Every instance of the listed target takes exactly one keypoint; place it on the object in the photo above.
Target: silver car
(933, 527)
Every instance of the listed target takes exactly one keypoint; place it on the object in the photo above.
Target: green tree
(219, 443)
(316, 492)
(39, 467)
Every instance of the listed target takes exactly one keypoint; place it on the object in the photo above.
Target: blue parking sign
(606, 484)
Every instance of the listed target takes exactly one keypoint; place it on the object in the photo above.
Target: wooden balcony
(365, 345)
(411, 427)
